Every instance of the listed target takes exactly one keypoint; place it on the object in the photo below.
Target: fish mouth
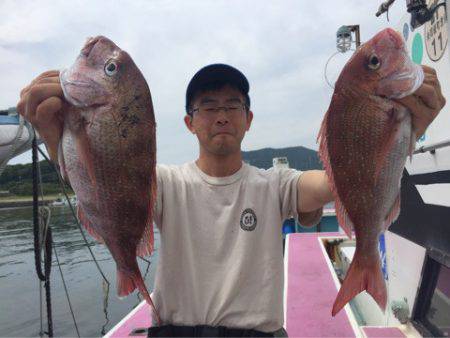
(81, 91)
(402, 83)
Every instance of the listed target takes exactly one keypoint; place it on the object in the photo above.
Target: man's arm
(313, 192)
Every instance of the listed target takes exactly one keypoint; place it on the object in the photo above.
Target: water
(19, 286)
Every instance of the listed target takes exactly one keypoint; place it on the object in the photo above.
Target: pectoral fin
(85, 154)
(389, 135)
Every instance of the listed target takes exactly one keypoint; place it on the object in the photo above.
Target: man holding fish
(220, 270)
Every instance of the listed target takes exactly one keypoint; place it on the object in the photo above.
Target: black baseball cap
(217, 72)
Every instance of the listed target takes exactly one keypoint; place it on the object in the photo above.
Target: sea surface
(19, 284)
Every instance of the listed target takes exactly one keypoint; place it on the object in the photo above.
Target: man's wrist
(309, 219)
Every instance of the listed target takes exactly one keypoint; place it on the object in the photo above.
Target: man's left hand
(425, 103)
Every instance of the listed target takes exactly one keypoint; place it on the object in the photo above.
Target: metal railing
(432, 148)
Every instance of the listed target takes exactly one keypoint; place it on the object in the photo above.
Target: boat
(62, 201)
(16, 136)
(58, 202)
(415, 251)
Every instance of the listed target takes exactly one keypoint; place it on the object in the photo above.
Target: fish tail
(143, 290)
(125, 284)
(362, 276)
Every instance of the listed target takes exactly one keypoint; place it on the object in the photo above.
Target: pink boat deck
(311, 291)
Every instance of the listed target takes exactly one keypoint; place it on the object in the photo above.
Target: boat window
(432, 311)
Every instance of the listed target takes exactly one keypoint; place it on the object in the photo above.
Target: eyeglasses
(212, 109)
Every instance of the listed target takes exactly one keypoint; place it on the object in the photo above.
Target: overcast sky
(281, 46)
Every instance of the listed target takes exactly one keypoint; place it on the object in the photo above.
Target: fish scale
(365, 139)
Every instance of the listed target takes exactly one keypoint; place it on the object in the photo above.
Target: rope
(138, 295)
(48, 267)
(67, 292)
(41, 331)
(105, 306)
(40, 238)
(326, 67)
(37, 251)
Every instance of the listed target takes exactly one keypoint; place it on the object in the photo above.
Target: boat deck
(310, 289)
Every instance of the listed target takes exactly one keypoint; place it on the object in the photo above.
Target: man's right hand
(41, 104)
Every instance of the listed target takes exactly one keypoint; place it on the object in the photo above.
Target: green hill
(300, 158)
(17, 179)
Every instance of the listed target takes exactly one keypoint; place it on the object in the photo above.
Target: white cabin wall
(404, 264)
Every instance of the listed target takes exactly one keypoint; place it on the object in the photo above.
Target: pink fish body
(365, 139)
(108, 153)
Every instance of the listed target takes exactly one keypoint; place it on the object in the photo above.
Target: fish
(364, 141)
(108, 154)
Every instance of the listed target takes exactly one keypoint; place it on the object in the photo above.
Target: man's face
(219, 131)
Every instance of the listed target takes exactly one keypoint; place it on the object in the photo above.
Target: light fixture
(344, 38)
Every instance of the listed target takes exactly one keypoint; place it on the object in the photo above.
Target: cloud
(282, 47)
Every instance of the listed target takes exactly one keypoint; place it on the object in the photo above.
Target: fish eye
(111, 68)
(374, 62)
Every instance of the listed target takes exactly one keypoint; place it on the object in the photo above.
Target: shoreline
(27, 201)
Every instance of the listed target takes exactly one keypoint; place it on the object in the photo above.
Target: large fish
(365, 139)
(108, 153)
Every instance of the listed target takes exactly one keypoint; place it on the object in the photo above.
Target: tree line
(18, 179)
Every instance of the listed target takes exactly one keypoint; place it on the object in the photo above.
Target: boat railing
(432, 147)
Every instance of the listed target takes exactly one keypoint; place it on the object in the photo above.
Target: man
(220, 268)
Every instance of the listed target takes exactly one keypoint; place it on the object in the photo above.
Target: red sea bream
(365, 139)
(108, 153)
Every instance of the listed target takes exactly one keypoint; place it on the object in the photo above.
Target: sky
(281, 46)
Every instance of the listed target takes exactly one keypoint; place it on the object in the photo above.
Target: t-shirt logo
(248, 220)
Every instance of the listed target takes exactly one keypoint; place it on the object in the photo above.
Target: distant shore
(26, 201)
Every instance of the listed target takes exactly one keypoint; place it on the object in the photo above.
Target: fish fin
(391, 129)
(62, 163)
(342, 216)
(362, 276)
(145, 245)
(388, 135)
(127, 283)
(344, 221)
(139, 282)
(323, 127)
(412, 145)
(393, 214)
(84, 152)
(88, 225)
(153, 185)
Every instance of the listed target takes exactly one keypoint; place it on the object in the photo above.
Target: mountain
(300, 158)
(9, 111)
(17, 179)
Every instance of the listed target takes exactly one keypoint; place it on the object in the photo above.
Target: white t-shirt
(221, 259)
